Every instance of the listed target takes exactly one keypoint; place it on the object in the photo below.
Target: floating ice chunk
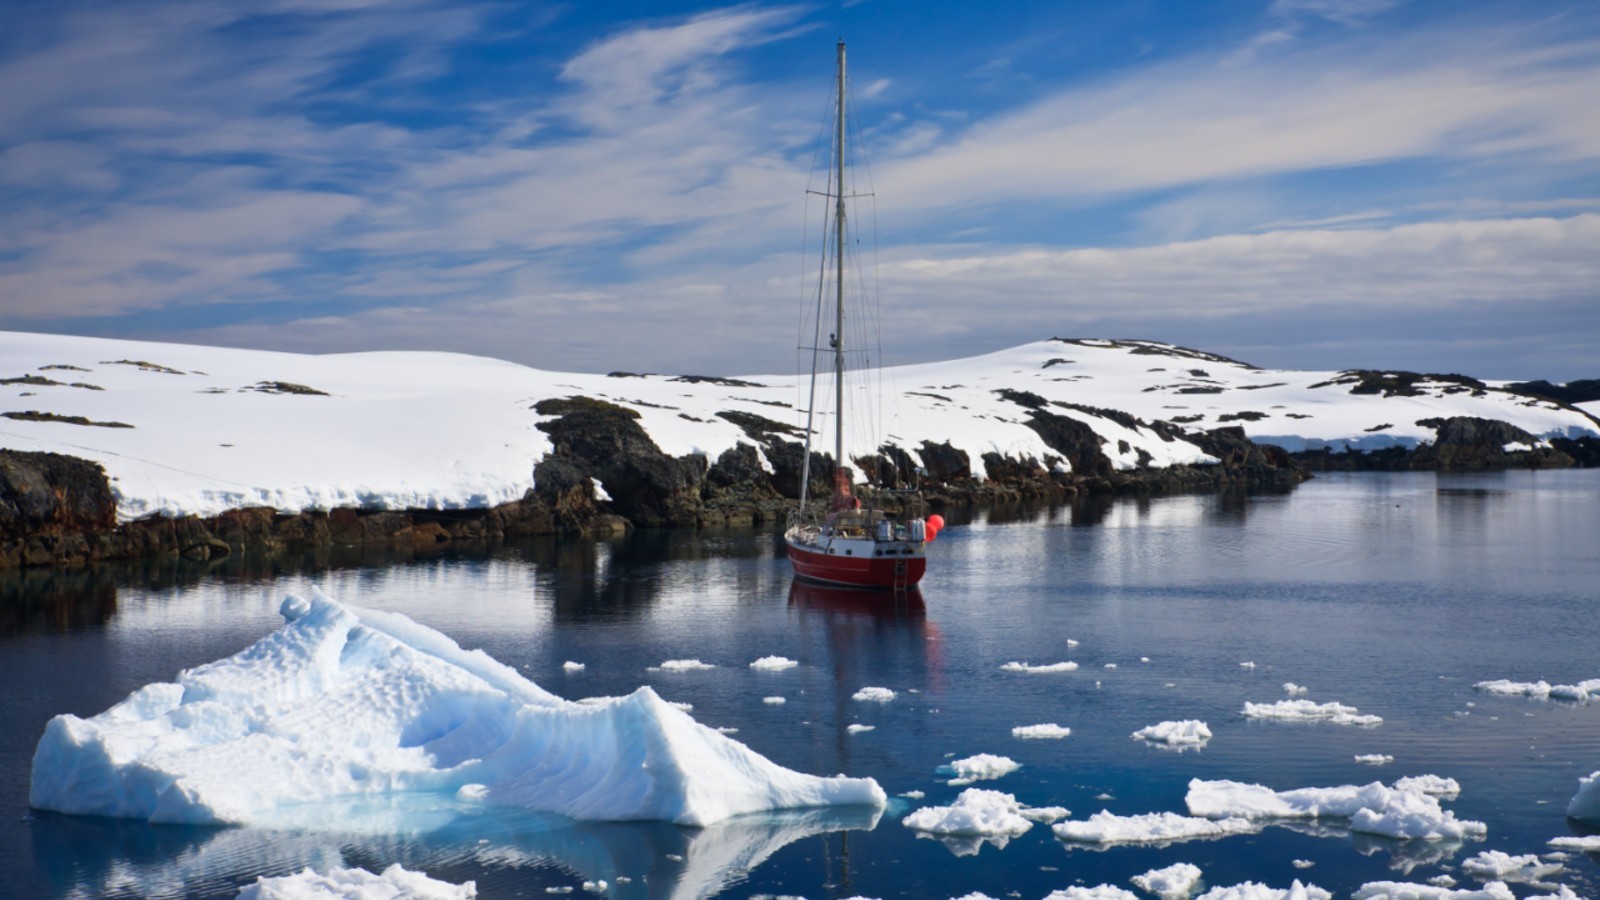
(1494, 865)
(1041, 731)
(682, 665)
(344, 703)
(857, 727)
(914, 795)
(1442, 880)
(1184, 733)
(1175, 882)
(1375, 759)
(1294, 690)
(1144, 659)
(571, 666)
(472, 792)
(596, 887)
(396, 881)
(1252, 891)
(1562, 893)
(1071, 644)
(1371, 808)
(976, 813)
(1541, 690)
(1309, 711)
(1249, 664)
(1394, 890)
(1432, 785)
(678, 704)
(1046, 669)
(1150, 828)
(1301, 863)
(1045, 813)
(1098, 892)
(773, 663)
(982, 767)
(1587, 844)
(1111, 665)
(975, 895)
(1585, 804)
(774, 701)
(873, 694)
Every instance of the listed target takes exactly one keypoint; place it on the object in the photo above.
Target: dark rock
(1584, 390)
(646, 486)
(945, 464)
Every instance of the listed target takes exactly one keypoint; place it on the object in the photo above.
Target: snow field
(212, 431)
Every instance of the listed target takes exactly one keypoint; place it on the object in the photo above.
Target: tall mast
(838, 237)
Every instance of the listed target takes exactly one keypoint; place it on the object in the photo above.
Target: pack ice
(348, 703)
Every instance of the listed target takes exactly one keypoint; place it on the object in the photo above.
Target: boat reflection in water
(810, 595)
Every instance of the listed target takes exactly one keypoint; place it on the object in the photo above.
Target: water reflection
(113, 857)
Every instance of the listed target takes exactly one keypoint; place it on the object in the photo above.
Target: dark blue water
(1391, 593)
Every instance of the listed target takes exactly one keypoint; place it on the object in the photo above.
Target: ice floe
(1394, 890)
(682, 665)
(1105, 827)
(1585, 804)
(1041, 731)
(1250, 890)
(857, 728)
(1581, 692)
(873, 695)
(1309, 711)
(1068, 666)
(774, 701)
(1432, 785)
(773, 663)
(981, 767)
(356, 884)
(1174, 882)
(1098, 892)
(1586, 844)
(1372, 808)
(1374, 759)
(1045, 813)
(571, 666)
(1295, 690)
(343, 703)
(1183, 734)
(1496, 865)
(976, 817)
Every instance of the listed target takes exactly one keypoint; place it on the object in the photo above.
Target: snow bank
(1049, 668)
(1185, 733)
(356, 884)
(343, 703)
(1309, 711)
(1174, 882)
(1585, 804)
(1581, 692)
(1105, 827)
(1394, 890)
(976, 812)
(982, 767)
(1041, 731)
(1371, 808)
(1495, 865)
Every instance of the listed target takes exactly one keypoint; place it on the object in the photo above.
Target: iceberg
(352, 704)
(1395, 812)
(1585, 804)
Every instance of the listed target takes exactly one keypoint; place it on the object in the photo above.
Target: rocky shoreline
(58, 510)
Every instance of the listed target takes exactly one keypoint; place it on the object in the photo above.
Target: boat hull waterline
(898, 572)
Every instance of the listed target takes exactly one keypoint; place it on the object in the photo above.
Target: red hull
(890, 573)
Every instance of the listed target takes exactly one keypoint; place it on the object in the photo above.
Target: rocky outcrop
(604, 441)
(1463, 443)
(49, 503)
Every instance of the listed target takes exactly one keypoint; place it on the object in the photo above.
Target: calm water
(1392, 593)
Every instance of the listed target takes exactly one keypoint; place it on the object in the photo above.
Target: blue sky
(597, 186)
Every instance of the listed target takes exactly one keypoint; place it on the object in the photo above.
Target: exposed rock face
(48, 503)
(605, 441)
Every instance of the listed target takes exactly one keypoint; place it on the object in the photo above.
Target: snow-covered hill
(185, 429)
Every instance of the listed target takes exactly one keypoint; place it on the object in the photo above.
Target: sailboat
(879, 543)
